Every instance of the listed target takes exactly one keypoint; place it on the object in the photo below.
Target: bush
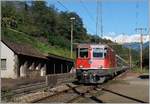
(59, 40)
(138, 69)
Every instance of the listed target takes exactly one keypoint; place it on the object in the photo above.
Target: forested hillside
(47, 29)
(44, 23)
(37, 19)
(146, 57)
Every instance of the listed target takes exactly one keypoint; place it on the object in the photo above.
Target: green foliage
(6, 95)
(145, 58)
(8, 10)
(59, 40)
(146, 52)
(40, 20)
(35, 19)
(121, 51)
(137, 69)
(45, 48)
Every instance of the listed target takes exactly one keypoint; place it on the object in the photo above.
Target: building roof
(82, 45)
(23, 49)
(59, 57)
(28, 50)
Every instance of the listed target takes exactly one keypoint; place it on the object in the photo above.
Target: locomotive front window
(105, 52)
(84, 52)
(98, 52)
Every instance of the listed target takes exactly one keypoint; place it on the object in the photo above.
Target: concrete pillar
(32, 66)
(67, 69)
(43, 70)
(61, 68)
(54, 69)
(23, 69)
(38, 67)
(16, 66)
(26, 68)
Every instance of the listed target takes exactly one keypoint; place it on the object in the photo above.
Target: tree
(146, 57)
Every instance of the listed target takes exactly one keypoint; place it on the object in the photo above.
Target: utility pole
(141, 44)
(72, 18)
(149, 28)
(130, 57)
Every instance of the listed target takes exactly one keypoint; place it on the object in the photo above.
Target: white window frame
(5, 64)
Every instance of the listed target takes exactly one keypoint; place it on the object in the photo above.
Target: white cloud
(124, 38)
(111, 34)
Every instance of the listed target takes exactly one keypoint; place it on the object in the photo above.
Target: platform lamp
(72, 19)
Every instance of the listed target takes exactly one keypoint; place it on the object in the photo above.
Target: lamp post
(130, 57)
(72, 18)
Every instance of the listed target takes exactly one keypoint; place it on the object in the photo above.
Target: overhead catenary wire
(140, 30)
(87, 12)
(61, 4)
(137, 13)
(86, 9)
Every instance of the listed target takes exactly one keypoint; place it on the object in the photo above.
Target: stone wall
(55, 79)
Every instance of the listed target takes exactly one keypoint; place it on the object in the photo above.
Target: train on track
(96, 63)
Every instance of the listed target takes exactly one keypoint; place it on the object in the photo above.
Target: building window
(3, 64)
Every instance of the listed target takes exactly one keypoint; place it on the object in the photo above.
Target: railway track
(79, 94)
(74, 94)
(56, 94)
(86, 94)
(22, 90)
(71, 94)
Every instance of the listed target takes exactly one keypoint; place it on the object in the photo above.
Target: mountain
(136, 45)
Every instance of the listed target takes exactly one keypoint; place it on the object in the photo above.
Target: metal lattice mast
(97, 17)
(101, 18)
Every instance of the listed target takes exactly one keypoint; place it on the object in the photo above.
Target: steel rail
(55, 94)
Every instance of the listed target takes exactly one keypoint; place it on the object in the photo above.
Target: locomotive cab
(93, 62)
(91, 57)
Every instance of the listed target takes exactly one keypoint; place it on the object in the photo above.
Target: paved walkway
(131, 89)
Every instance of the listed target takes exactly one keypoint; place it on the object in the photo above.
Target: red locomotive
(94, 63)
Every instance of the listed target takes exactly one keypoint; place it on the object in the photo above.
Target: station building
(22, 60)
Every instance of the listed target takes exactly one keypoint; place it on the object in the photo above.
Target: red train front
(94, 62)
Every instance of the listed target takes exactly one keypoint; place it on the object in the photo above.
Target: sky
(119, 17)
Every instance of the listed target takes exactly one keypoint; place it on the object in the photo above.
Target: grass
(44, 48)
(138, 70)
(7, 95)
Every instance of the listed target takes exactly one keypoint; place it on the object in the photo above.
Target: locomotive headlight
(100, 66)
(94, 74)
(81, 66)
(85, 73)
